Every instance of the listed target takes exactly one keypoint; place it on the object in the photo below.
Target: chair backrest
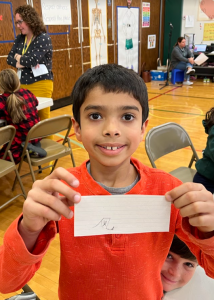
(49, 127)
(7, 134)
(166, 138)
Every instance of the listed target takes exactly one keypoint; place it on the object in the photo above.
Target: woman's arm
(10, 59)
(41, 52)
(177, 55)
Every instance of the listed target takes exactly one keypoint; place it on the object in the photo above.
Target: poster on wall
(98, 32)
(146, 14)
(151, 41)
(208, 32)
(128, 37)
(206, 10)
(56, 13)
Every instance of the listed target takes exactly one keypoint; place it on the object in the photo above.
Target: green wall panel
(173, 14)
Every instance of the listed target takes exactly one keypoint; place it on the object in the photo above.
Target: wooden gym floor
(184, 105)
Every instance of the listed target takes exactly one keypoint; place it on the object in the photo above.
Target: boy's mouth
(168, 279)
(111, 148)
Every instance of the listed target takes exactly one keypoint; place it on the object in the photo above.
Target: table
(200, 287)
(44, 102)
(205, 71)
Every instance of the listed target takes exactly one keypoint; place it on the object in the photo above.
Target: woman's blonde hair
(9, 83)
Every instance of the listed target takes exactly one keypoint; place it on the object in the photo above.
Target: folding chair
(7, 134)
(167, 138)
(54, 149)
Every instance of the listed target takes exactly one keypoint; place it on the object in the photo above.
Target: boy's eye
(95, 116)
(189, 265)
(169, 256)
(128, 117)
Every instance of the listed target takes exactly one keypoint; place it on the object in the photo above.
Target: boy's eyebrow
(100, 107)
(95, 107)
(130, 107)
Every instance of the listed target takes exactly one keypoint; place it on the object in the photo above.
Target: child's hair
(111, 78)
(180, 248)
(179, 40)
(9, 83)
(209, 118)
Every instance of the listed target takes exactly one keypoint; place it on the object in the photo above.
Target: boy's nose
(111, 128)
(175, 271)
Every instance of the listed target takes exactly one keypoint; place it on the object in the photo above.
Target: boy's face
(111, 127)
(176, 271)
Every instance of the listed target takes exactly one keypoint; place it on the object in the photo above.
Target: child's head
(10, 84)
(111, 78)
(209, 119)
(179, 266)
(9, 81)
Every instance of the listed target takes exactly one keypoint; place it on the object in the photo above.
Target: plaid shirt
(24, 126)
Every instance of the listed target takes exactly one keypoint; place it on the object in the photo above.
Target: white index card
(41, 70)
(121, 214)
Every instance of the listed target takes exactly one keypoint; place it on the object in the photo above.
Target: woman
(18, 108)
(182, 58)
(31, 48)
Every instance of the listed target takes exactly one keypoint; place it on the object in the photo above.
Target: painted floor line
(183, 96)
(72, 141)
(159, 95)
(177, 112)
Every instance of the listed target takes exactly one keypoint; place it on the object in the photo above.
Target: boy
(179, 266)
(110, 107)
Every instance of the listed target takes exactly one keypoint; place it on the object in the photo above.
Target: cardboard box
(158, 75)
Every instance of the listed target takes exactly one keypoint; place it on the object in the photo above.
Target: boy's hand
(196, 203)
(43, 202)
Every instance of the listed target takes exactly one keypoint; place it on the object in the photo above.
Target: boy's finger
(192, 197)
(204, 223)
(197, 208)
(53, 187)
(46, 205)
(183, 189)
(62, 174)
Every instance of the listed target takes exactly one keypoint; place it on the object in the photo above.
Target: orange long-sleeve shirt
(111, 267)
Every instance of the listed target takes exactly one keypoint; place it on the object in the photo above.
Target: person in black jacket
(32, 48)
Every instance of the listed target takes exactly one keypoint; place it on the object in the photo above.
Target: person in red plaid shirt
(18, 108)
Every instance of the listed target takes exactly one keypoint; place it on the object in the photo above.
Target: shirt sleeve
(203, 249)
(42, 47)
(10, 59)
(178, 55)
(17, 264)
(2, 108)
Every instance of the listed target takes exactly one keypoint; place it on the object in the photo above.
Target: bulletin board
(208, 32)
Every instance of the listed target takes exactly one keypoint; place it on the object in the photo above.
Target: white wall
(191, 7)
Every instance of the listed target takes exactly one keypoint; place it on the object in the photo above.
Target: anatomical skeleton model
(97, 32)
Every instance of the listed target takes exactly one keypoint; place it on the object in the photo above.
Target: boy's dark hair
(180, 248)
(111, 78)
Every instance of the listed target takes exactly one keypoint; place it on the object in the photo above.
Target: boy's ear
(77, 129)
(143, 129)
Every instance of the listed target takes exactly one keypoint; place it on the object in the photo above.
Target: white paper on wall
(56, 12)
(189, 21)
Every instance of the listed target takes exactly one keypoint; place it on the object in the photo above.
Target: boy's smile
(111, 129)
(176, 271)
